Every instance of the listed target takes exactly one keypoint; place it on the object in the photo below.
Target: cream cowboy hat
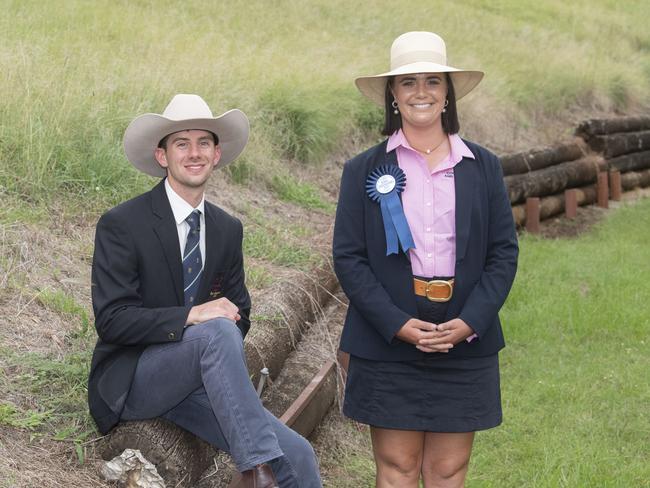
(184, 112)
(418, 52)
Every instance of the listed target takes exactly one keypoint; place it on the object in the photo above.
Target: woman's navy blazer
(380, 287)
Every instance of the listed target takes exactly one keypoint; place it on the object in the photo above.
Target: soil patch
(561, 227)
(40, 462)
(587, 217)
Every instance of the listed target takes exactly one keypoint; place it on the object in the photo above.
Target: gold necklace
(431, 149)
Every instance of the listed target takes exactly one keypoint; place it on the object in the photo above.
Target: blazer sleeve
(235, 287)
(120, 317)
(488, 295)
(351, 262)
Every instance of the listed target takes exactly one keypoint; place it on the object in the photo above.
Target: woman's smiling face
(420, 98)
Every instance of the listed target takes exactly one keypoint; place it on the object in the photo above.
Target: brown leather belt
(434, 290)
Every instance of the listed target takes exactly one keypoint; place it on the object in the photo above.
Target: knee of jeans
(302, 455)
(223, 329)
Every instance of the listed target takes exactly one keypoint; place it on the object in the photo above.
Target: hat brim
(143, 134)
(374, 87)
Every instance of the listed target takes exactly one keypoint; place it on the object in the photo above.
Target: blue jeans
(201, 383)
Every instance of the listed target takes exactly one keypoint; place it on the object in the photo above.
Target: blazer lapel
(464, 183)
(391, 156)
(214, 248)
(165, 229)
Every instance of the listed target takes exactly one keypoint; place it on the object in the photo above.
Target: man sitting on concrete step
(171, 307)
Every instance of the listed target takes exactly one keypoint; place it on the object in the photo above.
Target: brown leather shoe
(261, 476)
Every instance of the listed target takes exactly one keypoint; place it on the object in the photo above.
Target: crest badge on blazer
(216, 287)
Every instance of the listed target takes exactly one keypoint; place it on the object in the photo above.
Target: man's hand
(455, 330)
(222, 307)
(417, 332)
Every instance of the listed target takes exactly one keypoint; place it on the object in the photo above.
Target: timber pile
(625, 145)
(619, 146)
(547, 173)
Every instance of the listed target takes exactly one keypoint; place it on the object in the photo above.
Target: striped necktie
(192, 262)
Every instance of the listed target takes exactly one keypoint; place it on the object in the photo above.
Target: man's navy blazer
(137, 289)
(380, 287)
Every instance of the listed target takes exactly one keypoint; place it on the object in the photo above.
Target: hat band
(417, 57)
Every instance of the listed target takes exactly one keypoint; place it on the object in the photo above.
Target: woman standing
(426, 251)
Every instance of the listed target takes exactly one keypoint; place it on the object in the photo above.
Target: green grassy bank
(574, 374)
(575, 371)
(74, 73)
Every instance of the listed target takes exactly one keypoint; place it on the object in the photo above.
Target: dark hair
(163, 142)
(393, 121)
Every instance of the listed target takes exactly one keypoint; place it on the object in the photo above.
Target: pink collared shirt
(429, 201)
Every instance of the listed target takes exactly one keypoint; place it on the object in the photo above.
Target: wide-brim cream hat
(184, 112)
(418, 52)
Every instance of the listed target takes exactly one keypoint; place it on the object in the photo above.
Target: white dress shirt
(181, 210)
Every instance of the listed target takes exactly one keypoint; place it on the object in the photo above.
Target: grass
(302, 193)
(302, 129)
(278, 242)
(74, 75)
(12, 417)
(258, 277)
(269, 245)
(48, 394)
(574, 374)
(65, 305)
(574, 388)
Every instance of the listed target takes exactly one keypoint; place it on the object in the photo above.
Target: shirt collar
(459, 149)
(396, 139)
(180, 208)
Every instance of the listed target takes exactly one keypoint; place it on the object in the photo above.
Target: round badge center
(385, 184)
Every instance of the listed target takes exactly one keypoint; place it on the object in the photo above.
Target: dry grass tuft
(29, 463)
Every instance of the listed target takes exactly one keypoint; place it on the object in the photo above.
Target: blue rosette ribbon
(384, 184)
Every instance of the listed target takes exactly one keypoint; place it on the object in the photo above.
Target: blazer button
(171, 336)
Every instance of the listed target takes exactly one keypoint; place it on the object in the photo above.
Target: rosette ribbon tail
(395, 224)
(384, 184)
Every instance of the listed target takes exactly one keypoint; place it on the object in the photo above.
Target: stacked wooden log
(619, 147)
(625, 145)
(547, 173)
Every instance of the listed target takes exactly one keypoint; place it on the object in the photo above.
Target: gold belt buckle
(439, 283)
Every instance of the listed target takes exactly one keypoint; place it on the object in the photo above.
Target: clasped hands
(221, 307)
(429, 337)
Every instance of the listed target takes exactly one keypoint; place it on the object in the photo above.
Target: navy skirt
(435, 394)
